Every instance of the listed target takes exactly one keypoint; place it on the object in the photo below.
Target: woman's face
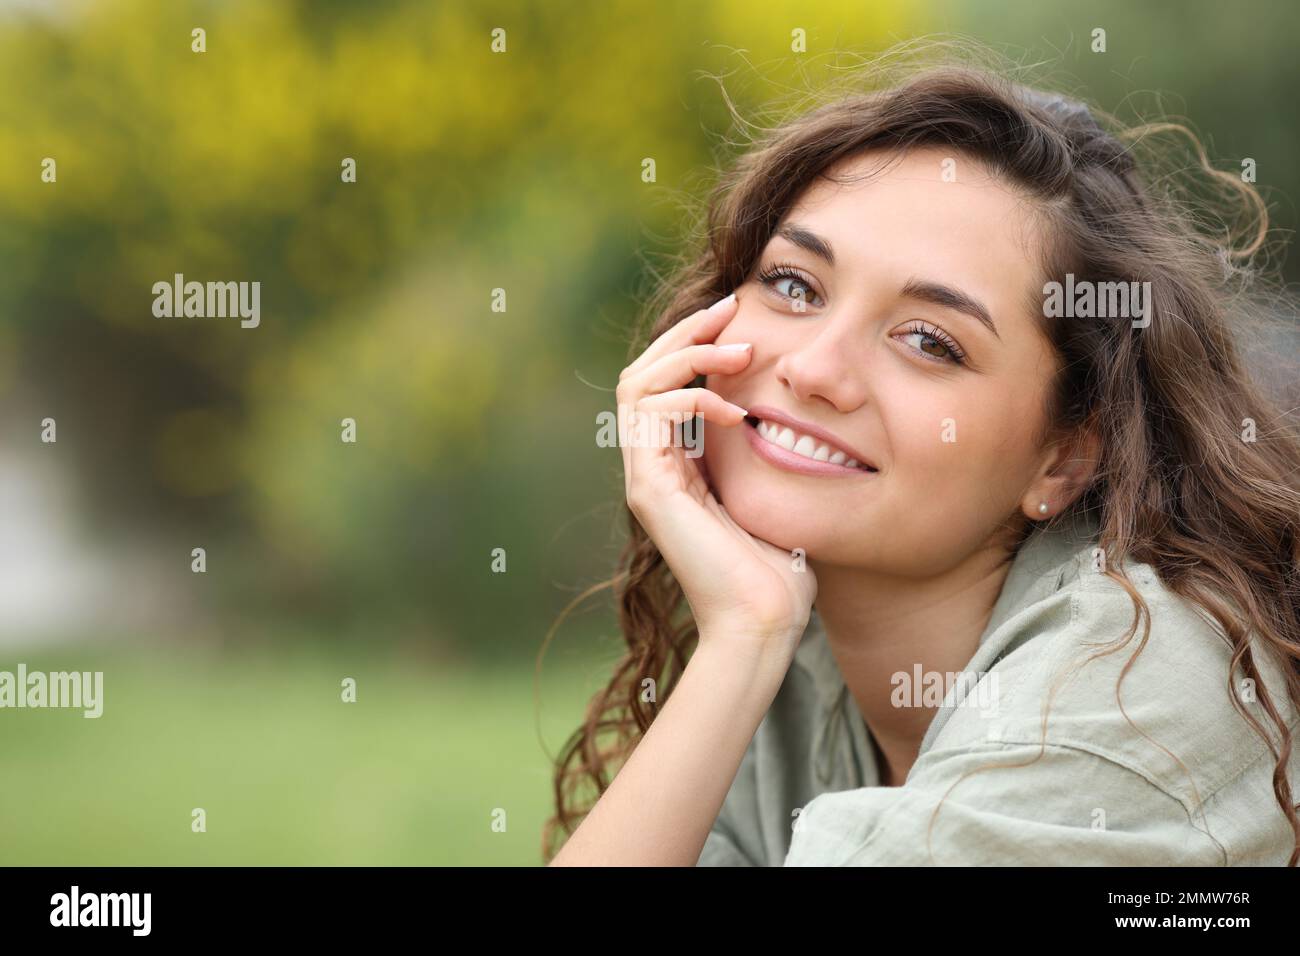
(889, 358)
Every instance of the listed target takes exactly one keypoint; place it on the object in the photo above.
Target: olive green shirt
(1192, 786)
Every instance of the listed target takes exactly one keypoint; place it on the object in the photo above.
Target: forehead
(932, 212)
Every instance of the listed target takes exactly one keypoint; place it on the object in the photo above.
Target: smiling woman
(914, 464)
(894, 346)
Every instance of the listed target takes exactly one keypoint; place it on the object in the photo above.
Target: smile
(793, 450)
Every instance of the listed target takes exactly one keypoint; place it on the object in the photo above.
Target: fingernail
(743, 411)
(722, 303)
(736, 347)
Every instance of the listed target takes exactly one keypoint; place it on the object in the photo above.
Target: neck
(880, 625)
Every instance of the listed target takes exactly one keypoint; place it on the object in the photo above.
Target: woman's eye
(935, 346)
(801, 289)
(789, 285)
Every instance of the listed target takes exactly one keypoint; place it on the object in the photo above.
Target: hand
(736, 584)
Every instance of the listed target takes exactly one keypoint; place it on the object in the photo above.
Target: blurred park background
(373, 560)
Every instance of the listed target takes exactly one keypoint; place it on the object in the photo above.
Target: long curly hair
(1181, 485)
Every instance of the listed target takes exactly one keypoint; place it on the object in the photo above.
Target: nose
(827, 363)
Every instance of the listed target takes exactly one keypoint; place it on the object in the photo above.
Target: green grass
(287, 773)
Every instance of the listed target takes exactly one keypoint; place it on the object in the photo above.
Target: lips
(804, 445)
(804, 439)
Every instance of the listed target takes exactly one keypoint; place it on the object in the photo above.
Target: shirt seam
(1046, 659)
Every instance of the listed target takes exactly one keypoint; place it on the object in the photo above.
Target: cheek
(958, 452)
(782, 510)
(721, 384)
(758, 326)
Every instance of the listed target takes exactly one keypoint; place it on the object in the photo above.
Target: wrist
(761, 660)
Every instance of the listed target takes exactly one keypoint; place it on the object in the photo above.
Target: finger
(652, 433)
(656, 417)
(624, 415)
(704, 474)
(694, 401)
(678, 368)
(700, 327)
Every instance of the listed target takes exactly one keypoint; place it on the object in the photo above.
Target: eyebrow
(925, 290)
(949, 298)
(804, 239)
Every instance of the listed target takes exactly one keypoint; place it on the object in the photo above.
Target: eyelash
(783, 270)
(955, 354)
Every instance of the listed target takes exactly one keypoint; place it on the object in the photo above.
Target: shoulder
(1149, 690)
(1093, 742)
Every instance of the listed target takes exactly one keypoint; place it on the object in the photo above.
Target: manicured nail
(736, 347)
(743, 411)
(722, 303)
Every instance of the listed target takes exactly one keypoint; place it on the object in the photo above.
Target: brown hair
(1215, 516)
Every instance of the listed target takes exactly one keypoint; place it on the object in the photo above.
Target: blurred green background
(476, 171)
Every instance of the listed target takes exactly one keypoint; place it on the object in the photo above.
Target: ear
(1068, 468)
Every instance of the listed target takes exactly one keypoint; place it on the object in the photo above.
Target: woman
(991, 555)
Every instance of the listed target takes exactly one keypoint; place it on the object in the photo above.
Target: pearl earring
(1042, 508)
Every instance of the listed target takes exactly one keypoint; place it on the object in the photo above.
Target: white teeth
(804, 445)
